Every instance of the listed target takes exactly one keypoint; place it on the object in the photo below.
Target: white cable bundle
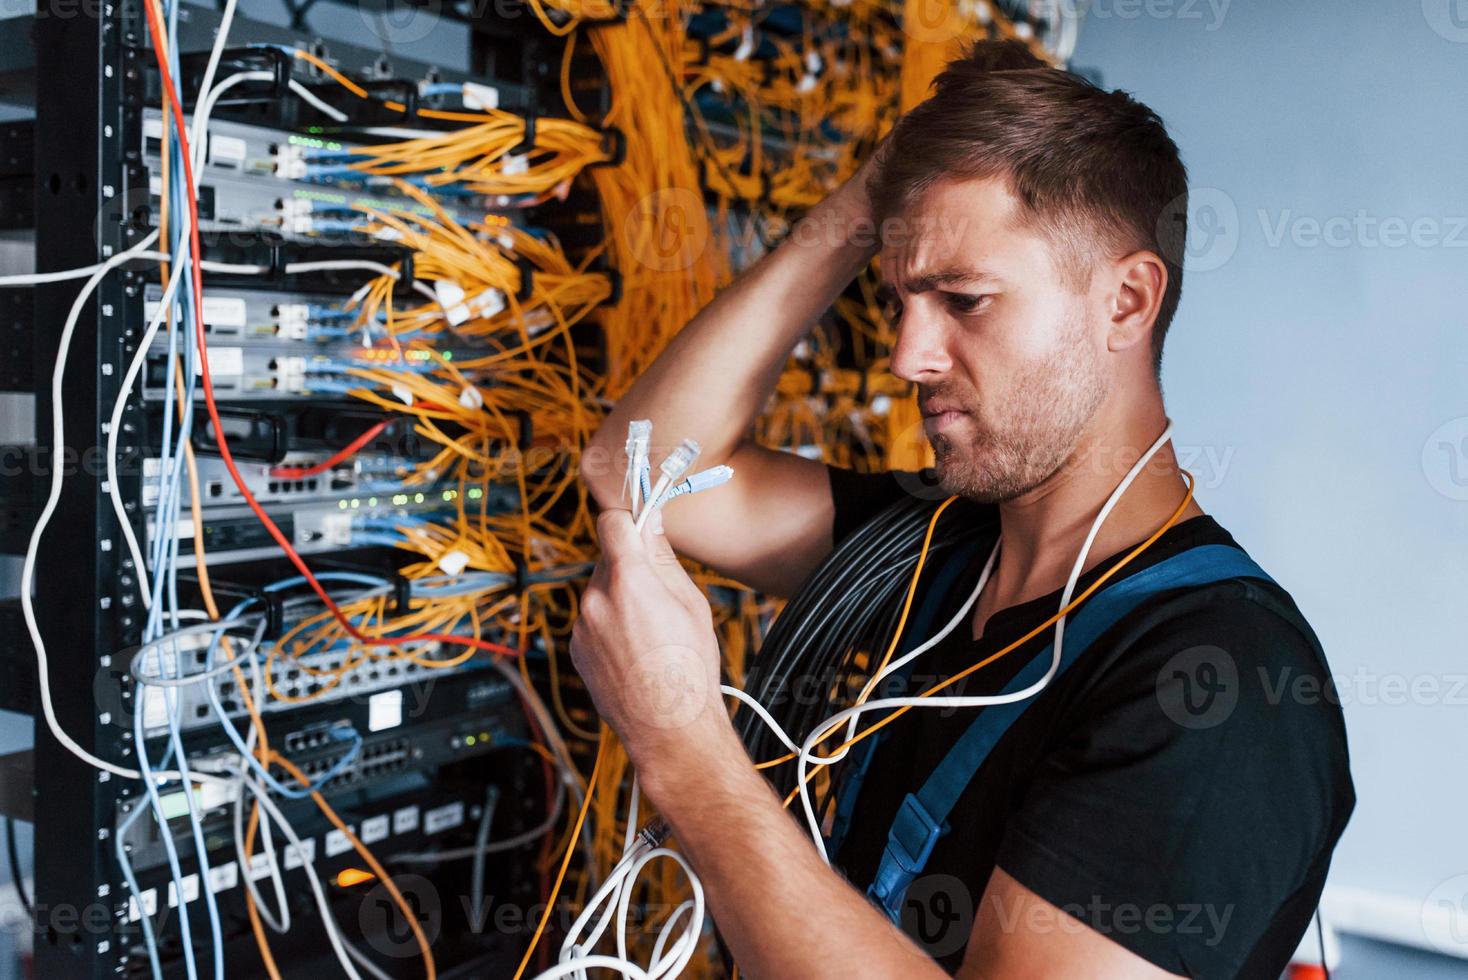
(677, 940)
(646, 497)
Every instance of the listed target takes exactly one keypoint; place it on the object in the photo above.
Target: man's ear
(1139, 281)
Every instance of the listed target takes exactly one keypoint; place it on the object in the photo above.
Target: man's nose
(921, 352)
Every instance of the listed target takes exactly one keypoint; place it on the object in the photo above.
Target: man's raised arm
(770, 526)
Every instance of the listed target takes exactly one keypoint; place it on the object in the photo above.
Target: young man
(1031, 224)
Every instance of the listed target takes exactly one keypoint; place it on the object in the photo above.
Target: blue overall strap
(920, 625)
(923, 816)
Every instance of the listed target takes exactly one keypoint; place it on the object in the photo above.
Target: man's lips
(936, 418)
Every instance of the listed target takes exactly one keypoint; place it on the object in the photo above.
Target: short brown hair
(1093, 169)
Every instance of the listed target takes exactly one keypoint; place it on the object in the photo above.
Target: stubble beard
(1029, 437)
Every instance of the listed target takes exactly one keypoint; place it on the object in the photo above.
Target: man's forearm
(783, 912)
(717, 373)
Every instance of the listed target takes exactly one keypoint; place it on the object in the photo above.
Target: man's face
(1004, 351)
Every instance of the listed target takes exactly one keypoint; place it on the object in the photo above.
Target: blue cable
(291, 792)
(150, 941)
(165, 563)
(150, 785)
(160, 552)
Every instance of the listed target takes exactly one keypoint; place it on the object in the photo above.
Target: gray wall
(1321, 356)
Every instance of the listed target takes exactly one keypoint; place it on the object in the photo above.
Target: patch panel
(263, 372)
(427, 738)
(252, 182)
(308, 679)
(250, 316)
(371, 480)
(234, 534)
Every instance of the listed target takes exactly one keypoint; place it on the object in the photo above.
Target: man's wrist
(705, 754)
(844, 220)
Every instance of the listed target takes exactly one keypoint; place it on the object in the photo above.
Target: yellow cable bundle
(660, 238)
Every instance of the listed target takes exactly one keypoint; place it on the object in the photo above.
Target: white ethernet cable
(281, 925)
(609, 894)
(330, 111)
(28, 568)
(202, 112)
(114, 424)
(714, 476)
(678, 462)
(645, 499)
(151, 785)
(328, 920)
(166, 552)
(806, 756)
(639, 439)
(81, 272)
(613, 899)
(597, 962)
(610, 902)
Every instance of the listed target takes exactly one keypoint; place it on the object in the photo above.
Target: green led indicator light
(400, 499)
(342, 504)
(313, 143)
(469, 740)
(326, 197)
(418, 498)
(448, 495)
(475, 493)
(356, 502)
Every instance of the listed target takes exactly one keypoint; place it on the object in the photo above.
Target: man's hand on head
(644, 643)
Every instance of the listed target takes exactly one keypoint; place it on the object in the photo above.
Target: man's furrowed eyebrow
(937, 280)
(950, 277)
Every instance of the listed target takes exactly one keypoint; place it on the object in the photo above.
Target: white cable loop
(807, 758)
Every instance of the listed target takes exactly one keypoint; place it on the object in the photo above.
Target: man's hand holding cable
(645, 645)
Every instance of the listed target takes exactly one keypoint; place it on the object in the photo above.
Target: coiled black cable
(824, 644)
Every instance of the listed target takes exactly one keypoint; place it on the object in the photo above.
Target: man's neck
(1045, 528)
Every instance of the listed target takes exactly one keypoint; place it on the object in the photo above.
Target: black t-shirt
(1180, 788)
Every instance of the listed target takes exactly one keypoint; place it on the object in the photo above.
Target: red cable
(155, 29)
(340, 456)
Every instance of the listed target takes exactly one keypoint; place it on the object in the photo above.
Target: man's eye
(966, 302)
